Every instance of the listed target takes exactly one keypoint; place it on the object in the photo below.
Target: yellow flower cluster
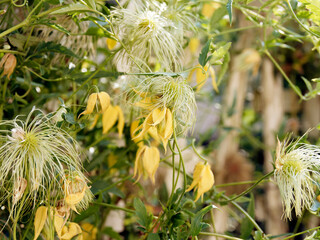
(110, 114)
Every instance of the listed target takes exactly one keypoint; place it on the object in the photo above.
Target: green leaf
(72, 8)
(141, 212)
(247, 226)
(153, 236)
(111, 233)
(69, 117)
(219, 53)
(216, 17)
(196, 224)
(308, 84)
(55, 47)
(314, 7)
(229, 9)
(203, 54)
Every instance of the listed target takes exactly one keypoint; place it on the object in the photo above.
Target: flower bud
(8, 63)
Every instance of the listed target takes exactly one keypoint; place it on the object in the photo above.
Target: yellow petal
(58, 224)
(91, 103)
(104, 100)
(196, 175)
(89, 232)
(146, 125)
(151, 160)
(154, 133)
(111, 43)
(75, 197)
(194, 45)
(206, 181)
(201, 76)
(109, 118)
(213, 79)
(95, 120)
(209, 8)
(158, 115)
(145, 103)
(189, 79)
(133, 129)
(137, 165)
(120, 121)
(169, 125)
(70, 231)
(39, 220)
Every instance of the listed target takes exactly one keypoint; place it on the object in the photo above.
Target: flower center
(292, 166)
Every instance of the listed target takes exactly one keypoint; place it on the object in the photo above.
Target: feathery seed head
(162, 92)
(34, 155)
(296, 167)
(146, 32)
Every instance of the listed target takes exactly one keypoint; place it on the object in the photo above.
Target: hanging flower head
(296, 167)
(203, 179)
(34, 155)
(145, 31)
(163, 95)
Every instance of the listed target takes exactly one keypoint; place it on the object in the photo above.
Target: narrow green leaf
(196, 224)
(203, 54)
(153, 236)
(229, 9)
(72, 8)
(247, 226)
(141, 213)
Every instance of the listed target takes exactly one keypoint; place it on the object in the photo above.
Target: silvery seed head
(297, 168)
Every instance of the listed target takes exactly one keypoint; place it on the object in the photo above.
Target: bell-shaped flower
(203, 179)
(8, 63)
(103, 99)
(110, 117)
(201, 76)
(147, 162)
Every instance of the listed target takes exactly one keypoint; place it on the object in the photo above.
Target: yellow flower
(77, 193)
(102, 97)
(159, 122)
(8, 62)
(89, 232)
(202, 75)
(147, 162)
(109, 118)
(203, 179)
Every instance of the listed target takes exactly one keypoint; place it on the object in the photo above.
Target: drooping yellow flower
(39, 220)
(152, 131)
(159, 122)
(109, 118)
(103, 99)
(77, 193)
(203, 179)
(202, 75)
(8, 62)
(89, 232)
(147, 162)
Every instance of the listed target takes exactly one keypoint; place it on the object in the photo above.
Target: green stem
(219, 235)
(244, 212)
(300, 23)
(295, 89)
(234, 30)
(12, 51)
(196, 151)
(114, 207)
(236, 183)
(297, 234)
(22, 24)
(249, 189)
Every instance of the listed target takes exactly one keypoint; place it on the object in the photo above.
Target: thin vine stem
(112, 206)
(249, 189)
(219, 235)
(244, 212)
(300, 233)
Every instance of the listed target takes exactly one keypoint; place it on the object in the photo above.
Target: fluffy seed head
(146, 33)
(165, 92)
(297, 166)
(34, 155)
